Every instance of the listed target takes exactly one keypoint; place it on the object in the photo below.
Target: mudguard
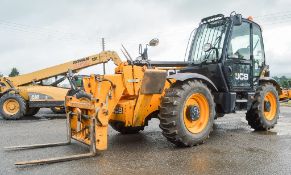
(273, 81)
(8, 91)
(188, 76)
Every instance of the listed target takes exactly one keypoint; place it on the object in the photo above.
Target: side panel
(238, 74)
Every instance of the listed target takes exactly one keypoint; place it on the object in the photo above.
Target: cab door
(238, 63)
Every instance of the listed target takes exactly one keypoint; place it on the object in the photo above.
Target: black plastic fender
(188, 76)
(273, 81)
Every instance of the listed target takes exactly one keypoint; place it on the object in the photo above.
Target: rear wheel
(264, 112)
(12, 106)
(187, 113)
(119, 126)
(31, 111)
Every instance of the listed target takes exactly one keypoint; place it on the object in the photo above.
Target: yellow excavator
(25, 94)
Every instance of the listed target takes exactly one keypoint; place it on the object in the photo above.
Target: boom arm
(61, 69)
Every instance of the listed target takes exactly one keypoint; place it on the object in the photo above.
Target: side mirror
(154, 42)
(237, 19)
(207, 47)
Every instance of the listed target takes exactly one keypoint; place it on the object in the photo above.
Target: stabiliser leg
(64, 158)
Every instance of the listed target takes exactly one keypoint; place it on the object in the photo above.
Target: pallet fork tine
(64, 158)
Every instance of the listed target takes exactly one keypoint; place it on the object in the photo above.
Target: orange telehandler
(225, 73)
(25, 94)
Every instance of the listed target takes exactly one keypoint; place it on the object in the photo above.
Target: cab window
(239, 45)
(258, 50)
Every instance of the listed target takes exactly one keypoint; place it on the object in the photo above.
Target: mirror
(154, 42)
(207, 47)
(237, 19)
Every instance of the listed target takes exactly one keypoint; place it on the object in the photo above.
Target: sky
(36, 34)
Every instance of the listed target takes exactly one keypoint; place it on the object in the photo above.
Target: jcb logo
(241, 76)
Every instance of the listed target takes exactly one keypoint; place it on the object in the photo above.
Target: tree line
(283, 81)
(14, 72)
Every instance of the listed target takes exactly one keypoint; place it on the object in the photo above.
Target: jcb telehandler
(225, 72)
(25, 94)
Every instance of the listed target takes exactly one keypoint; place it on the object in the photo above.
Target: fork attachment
(90, 140)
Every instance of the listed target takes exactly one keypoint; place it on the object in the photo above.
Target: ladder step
(241, 100)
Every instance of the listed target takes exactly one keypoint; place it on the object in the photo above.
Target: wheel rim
(195, 124)
(11, 107)
(270, 106)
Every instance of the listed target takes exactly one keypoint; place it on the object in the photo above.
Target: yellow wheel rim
(200, 103)
(270, 106)
(11, 106)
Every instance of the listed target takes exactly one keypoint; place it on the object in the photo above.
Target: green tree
(284, 83)
(14, 72)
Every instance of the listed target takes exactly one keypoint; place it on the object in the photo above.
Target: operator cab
(234, 42)
(230, 52)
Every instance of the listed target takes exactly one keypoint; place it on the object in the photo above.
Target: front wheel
(187, 113)
(12, 106)
(264, 111)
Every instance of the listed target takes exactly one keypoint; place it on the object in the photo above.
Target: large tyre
(264, 111)
(187, 113)
(119, 126)
(31, 111)
(12, 106)
(58, 110)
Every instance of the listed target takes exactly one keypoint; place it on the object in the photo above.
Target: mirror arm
(145, 54)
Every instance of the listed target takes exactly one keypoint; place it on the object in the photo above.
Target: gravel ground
(233, 148)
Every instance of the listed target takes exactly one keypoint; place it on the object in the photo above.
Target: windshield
(210, 32)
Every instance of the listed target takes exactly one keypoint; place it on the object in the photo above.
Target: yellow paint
(62, 69)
